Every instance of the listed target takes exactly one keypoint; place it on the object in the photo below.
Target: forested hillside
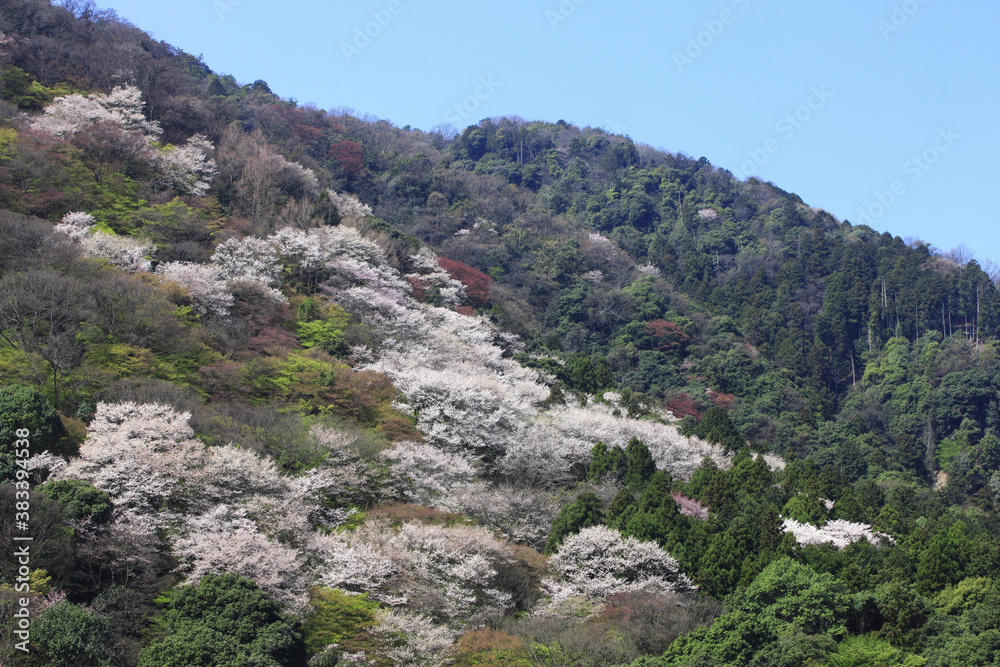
(304, 387)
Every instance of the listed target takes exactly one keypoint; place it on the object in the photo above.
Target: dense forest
(289, 386)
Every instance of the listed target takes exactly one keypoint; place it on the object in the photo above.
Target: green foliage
(793, 593)
(716, 426)
(587, 510)
(24, 407)
(224, 620)
(338, 618)
(805, 508)
(79, 499)
(865, 650)
(904, 612)
(322, 325)
(640, 465)
(607, 462)
(68, 634)
(19, 88)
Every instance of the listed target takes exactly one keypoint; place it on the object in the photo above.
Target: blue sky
(883, 112)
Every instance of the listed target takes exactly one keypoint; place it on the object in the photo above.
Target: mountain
(532, 393)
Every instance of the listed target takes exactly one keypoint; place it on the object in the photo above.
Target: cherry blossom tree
(429, 273)
(223, 540)
(348, 205)
(118, 120)
(414, 639)
(69, 114)
(598, 562)
(203, 283)
(421, 473)
(124, 253)
(76, 224)
(351, 563)
(839, 532)
(522, 515)
(251, 258)
(146, 458)
(187, 169)
(453, 572)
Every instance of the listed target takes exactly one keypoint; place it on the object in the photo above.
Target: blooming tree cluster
(518, 513)
(414, 639)
(422, 474)
(188, 169)
(346, 477)
(450, 572)
(146, 458)
(76, 224)
(839, 532)
(564, 437)
(251, 258)
(598, 562)
(204, 284)
(690, 507)
(349, 206)
(225, 505)
(125, 253)
(225, 540)
(430, 274)
(123, 105)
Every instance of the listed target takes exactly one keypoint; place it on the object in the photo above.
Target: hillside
(533, 393)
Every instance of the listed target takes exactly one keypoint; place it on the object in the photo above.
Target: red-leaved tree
(477, 283)
(350, 155)
(669, 337)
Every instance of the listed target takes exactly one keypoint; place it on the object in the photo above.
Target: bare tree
(41, 313)
(961, 254)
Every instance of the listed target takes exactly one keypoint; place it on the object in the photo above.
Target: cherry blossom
(839, 532)
(203, 282)
(598, 562)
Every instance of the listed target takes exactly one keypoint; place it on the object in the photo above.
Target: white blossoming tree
(203, 283)
(838, 532)
(598, 562)
(125, 253)
(187, 169)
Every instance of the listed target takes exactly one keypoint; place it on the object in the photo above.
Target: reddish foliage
(349, 155)
(465, 310)
(269, 341)
(721, 399)
(682, 406)
(396, 427)
(222, 379)
(669, 337)
(419, 288)
(477, 283)
(488, 647)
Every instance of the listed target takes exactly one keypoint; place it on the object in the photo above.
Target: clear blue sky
(888, 107)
